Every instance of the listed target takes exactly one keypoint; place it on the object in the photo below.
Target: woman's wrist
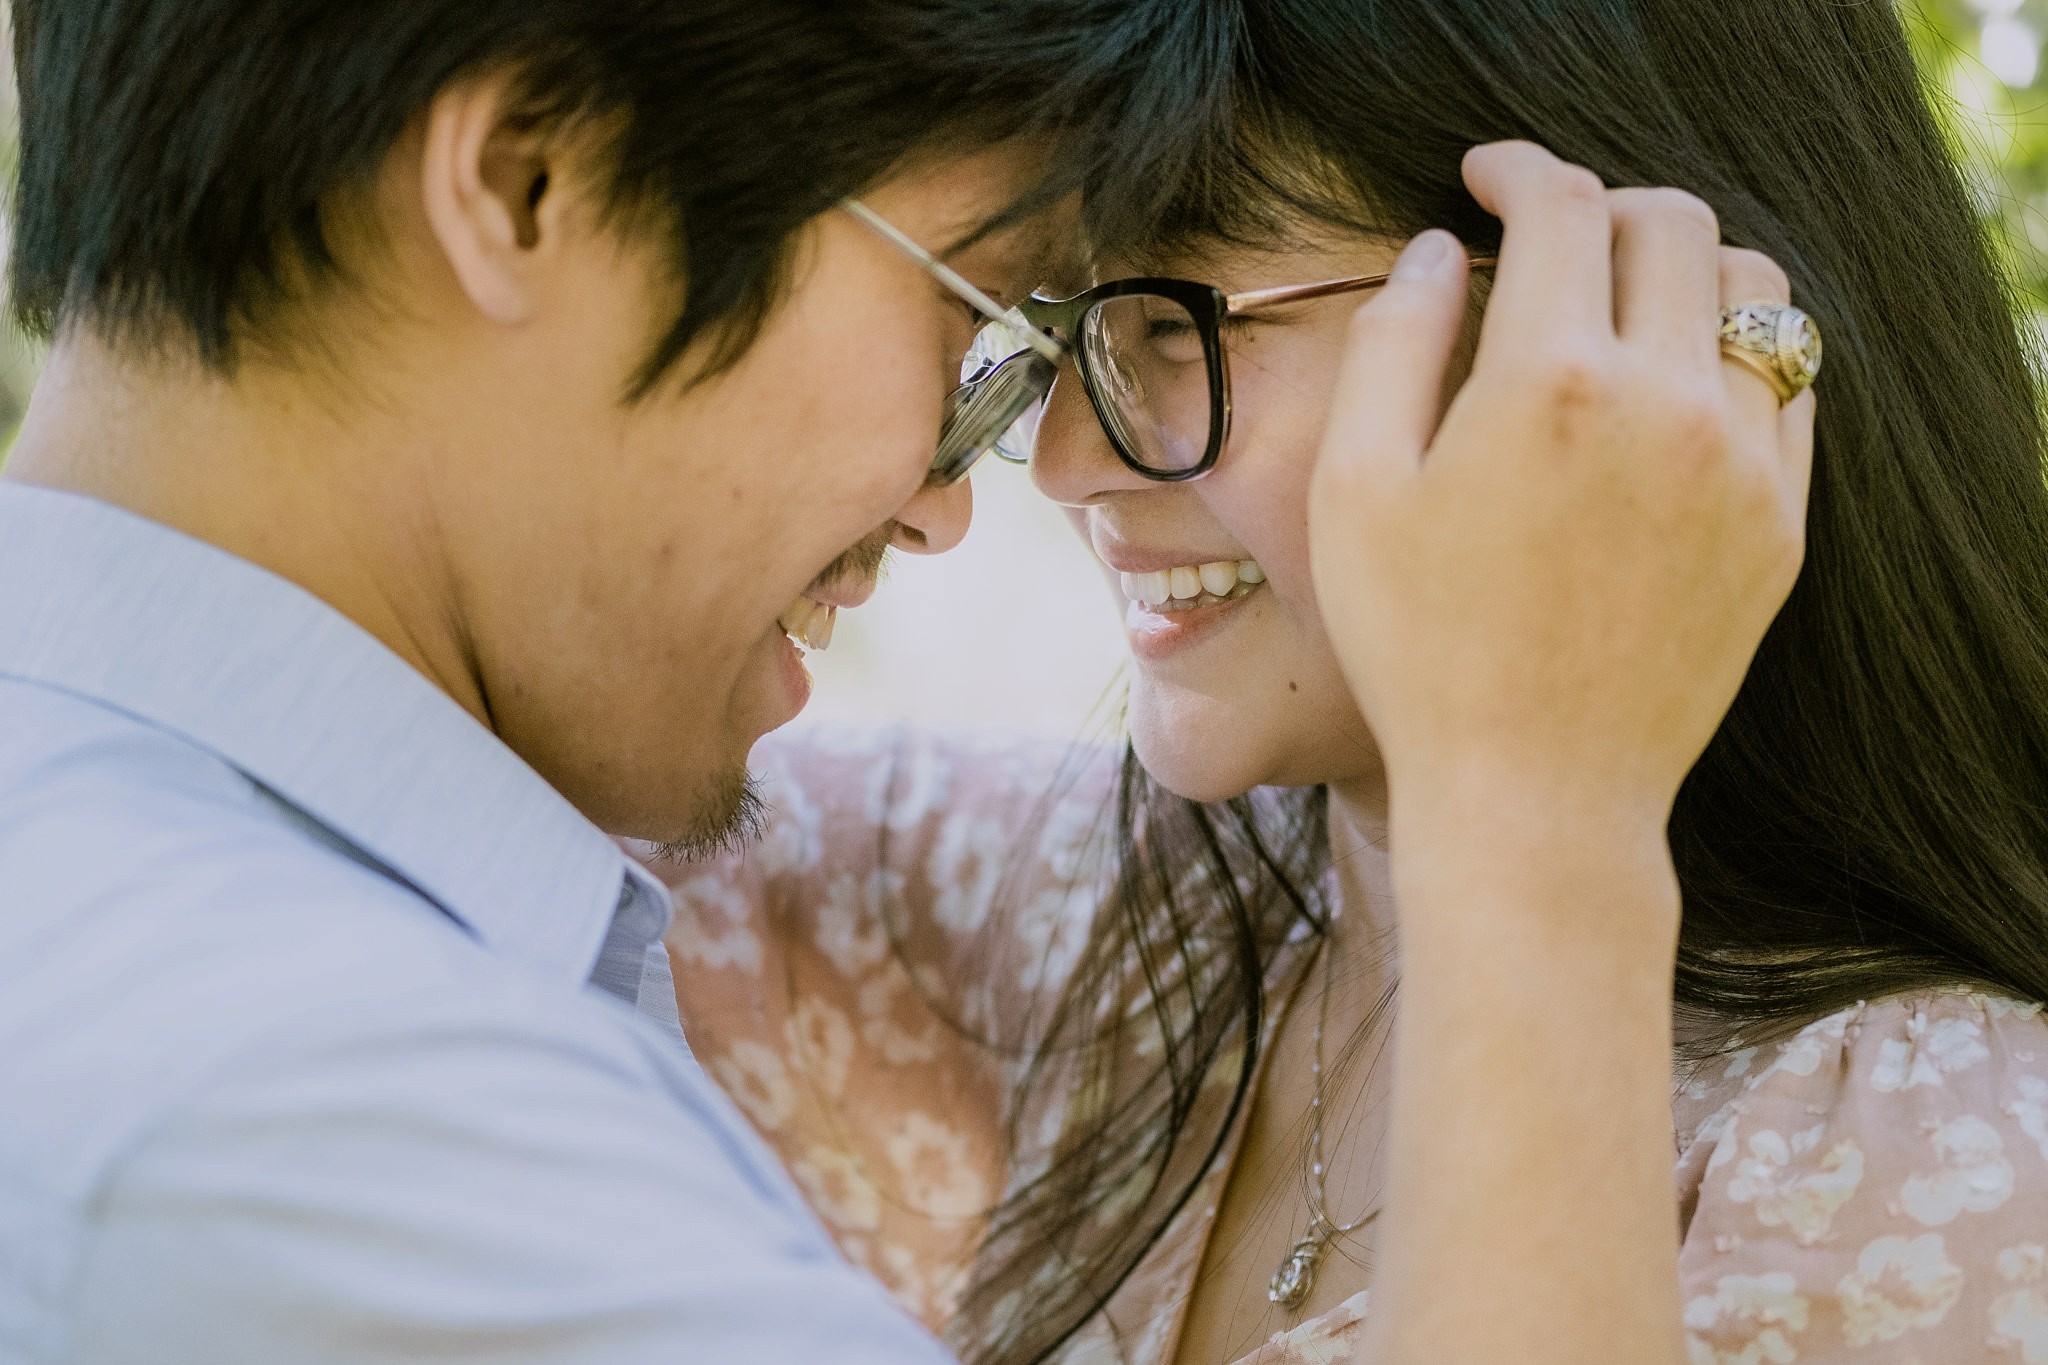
(1509, 791)
(1498, 831)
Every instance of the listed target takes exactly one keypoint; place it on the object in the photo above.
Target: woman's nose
(935, 519)
(1072, 461)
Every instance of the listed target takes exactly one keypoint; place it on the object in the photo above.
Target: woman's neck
(1360, 853)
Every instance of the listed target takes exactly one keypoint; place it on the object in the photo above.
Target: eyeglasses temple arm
(1253, 299)
(951, 278)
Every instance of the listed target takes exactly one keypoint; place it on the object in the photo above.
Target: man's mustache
(861, 564)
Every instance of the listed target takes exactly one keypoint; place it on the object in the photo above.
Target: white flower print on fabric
(1802, 1054)
(1845, 1201)
(850, 930)
(1059, 921)
(713, 925)
(1726, 1148)
(1805, 1050)
(906, 787)
(966, 869)
(753, 1074)
(1713, 1128)
(2019, 1317)
(1803, 1197)
(838, 1188)
(880, 1030)
(2030, 1110)
(936, 1163)
(1974, 1174)
(1327, 1340)
(1898, 1284)
(930, 1292)
(1074, 832)
(821, 1042)
(1747, 1320)
(1928, 1053)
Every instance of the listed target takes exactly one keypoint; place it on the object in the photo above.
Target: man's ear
(490, 200)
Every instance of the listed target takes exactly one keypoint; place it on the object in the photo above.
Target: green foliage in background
(1985, 74)
(1982, 60)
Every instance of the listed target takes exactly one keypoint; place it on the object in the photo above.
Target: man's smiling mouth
(809, 623)
(847, 581)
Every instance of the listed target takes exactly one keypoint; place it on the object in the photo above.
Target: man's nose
(935, 519)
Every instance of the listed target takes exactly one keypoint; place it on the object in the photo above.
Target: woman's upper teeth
(809, 623)
(1219, 578)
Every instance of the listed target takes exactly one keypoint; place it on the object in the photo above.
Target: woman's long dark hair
(1873, 815)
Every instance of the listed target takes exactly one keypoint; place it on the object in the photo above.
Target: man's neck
(262, 468)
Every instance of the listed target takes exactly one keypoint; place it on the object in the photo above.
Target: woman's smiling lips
(1175, 599)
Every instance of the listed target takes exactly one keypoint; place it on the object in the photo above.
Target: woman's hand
(1545, 599)
(1557, 585)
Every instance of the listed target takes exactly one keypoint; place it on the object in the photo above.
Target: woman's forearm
(1531, 1140)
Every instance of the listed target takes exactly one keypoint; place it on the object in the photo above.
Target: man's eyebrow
(1056, 259)
(1058, 264)
(1048, 253)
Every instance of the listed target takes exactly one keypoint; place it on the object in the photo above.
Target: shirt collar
(122, 611)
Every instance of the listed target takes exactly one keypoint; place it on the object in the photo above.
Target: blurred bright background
(1017, 629)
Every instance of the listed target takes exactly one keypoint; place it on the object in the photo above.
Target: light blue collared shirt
(329, 1032)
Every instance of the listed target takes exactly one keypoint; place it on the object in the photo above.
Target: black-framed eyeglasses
(1148, 351)
(1150, 356)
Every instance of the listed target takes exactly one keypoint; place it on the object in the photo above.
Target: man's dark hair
(178, 156)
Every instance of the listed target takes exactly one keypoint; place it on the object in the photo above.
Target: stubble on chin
(729, 816)
(730, 813)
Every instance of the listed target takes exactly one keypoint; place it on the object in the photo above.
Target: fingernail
(1425, 256)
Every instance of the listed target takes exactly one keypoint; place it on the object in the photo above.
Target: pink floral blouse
(1875, 1189)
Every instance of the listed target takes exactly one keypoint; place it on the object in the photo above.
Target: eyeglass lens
(1147, 375)
(1147, 370)
(992, 410)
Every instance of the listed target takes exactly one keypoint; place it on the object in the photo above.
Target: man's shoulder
(122, 842)
(167, 922)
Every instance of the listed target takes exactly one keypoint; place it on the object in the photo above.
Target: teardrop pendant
(1296, 1277)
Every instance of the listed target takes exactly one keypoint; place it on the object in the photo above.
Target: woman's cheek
(1262, 498)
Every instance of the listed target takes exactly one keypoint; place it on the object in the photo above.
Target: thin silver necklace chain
(1295, 1279)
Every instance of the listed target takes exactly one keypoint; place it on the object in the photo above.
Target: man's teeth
(809, 623)
(1189, 584)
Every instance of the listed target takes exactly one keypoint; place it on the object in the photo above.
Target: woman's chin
(1188, 766)
(1207, 750)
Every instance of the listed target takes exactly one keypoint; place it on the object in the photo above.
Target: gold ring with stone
(1778, 341)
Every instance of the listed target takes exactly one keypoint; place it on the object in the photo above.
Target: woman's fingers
(1570, 592)
(1667, 279)
(1390, 386)
(1556, 272)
